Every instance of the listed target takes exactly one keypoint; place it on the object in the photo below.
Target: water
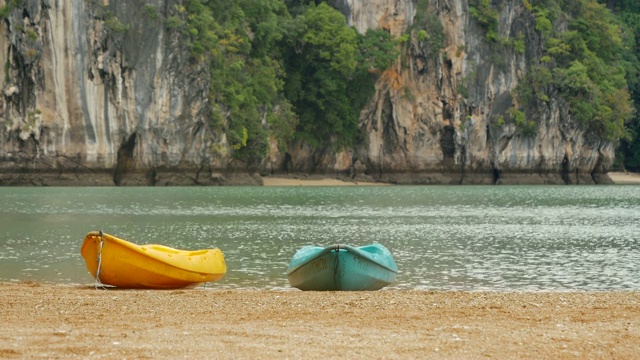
(497, 238)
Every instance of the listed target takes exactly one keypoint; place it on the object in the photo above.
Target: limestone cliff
(101, 93)
(90, 100)
(433, 117)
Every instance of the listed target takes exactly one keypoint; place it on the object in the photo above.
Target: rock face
(88, 102)
(433, 118)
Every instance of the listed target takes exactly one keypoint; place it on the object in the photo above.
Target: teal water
(497, 238)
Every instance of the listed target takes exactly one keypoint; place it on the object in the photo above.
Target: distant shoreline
(286, 181)
(625, 178)
(619, 178)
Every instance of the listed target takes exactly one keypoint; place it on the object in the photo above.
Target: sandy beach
(296, 181)
(625, 178)
(619, 178)
(64, 321)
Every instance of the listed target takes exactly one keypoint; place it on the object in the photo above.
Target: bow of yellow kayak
(120, 263)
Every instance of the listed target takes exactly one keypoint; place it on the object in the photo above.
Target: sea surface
(473, 238)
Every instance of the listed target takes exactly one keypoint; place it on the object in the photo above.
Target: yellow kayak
(119, 263)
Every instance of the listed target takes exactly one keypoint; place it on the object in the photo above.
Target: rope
(98, 282)
(335, 264)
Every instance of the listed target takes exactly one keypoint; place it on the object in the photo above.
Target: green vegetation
(628, 12)
(428, 28)
(527, 127)
(585, 63)
(150, 11)
(487, 16)
(293, 69)
(7, 66)
(536, 84)
(589, 70)
(115, 25)
(111, 21)
(321, 55)
(331, 72)
(7, 8)
(283, 77)
(519, 44)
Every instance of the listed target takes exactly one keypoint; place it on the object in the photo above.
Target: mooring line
(335, 266)
(98, 282)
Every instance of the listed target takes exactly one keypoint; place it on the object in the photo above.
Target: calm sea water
(497, 238)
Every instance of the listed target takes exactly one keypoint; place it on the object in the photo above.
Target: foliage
(202, 29)
(274, 76)
(150, 11)
(536, 84)
(519, 44)
(284, 69)
(115, 25)
(628, 11)
(321, 54)
(7, 8)
(330, 73)
(173, 22)
(434, 32)
(238, 41)
(488, 18)
(528, 127)
(429, 27)
(32, 35)
(376, 50)
(585, 63)
(282, 123)
(482, 11)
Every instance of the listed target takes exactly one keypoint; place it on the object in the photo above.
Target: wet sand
(63, 321)
(619, 178)
(625, 178)
(295, 181)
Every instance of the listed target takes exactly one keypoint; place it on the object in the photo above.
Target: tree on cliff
(628, 11)
(586, 60)
(330, 73)
(276, 76)
(308, 76)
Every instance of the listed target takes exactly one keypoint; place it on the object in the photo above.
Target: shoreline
(625, 178)
(314, 181)
(618, 178)
(58, 321)
(169, 178)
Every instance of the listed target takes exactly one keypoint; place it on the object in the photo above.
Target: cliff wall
(101, 93)
(434, 116)
(90, 100)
